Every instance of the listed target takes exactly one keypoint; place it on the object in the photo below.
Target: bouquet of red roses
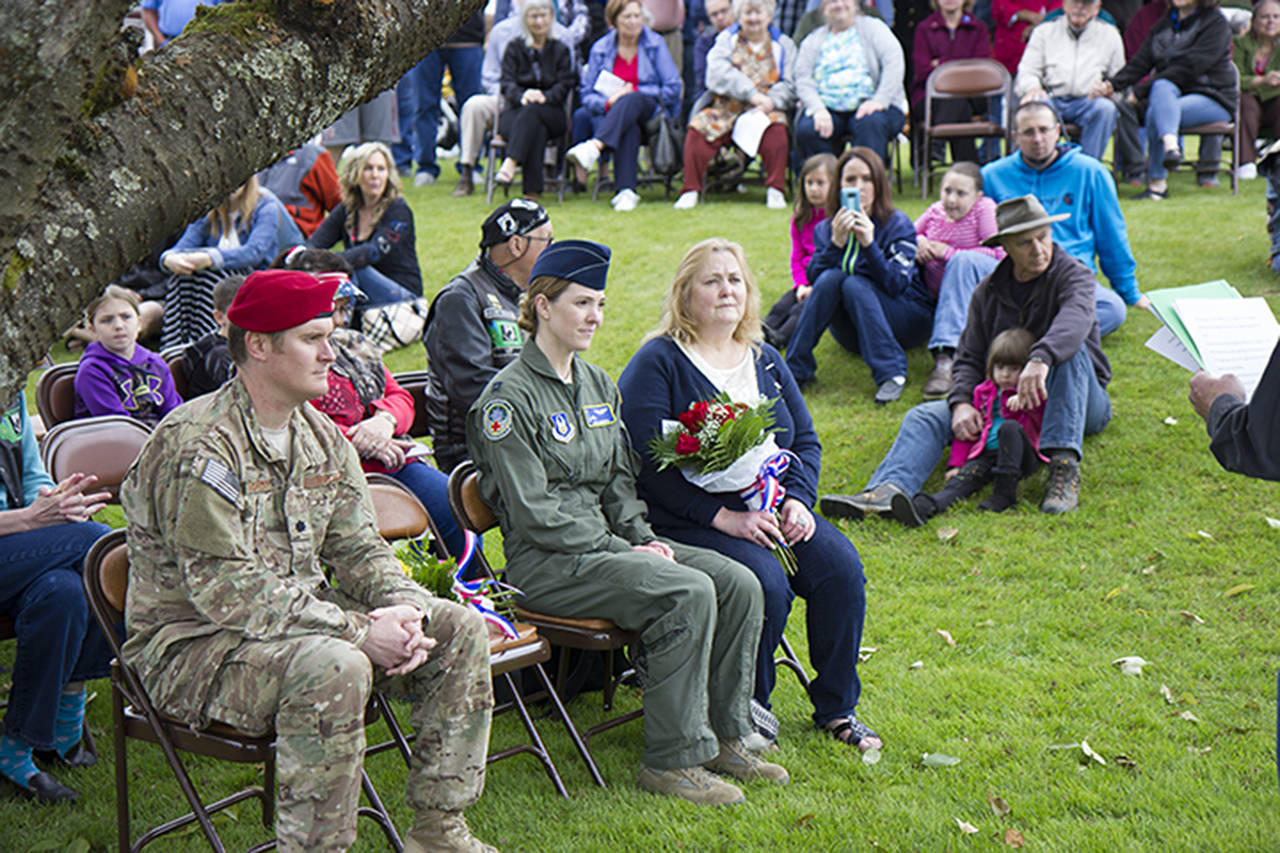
(723, 446)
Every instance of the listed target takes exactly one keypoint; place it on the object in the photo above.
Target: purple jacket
(983, 396)
(935, 44)
(107, 384)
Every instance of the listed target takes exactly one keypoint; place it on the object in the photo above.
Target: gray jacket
(884, 62)
(724, 78)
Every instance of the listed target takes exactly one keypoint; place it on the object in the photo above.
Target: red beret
(275, 300)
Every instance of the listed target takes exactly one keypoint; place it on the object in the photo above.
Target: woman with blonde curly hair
(375, 225)
(708, 342)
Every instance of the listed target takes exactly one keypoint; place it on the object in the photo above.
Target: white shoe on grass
(625, 200)
(584, 154)
(774, 199)
(687, 201)
(1247, 172)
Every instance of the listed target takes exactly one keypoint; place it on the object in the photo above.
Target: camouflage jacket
(226, 540)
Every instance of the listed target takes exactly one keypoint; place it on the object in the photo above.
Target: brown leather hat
(1020, 214)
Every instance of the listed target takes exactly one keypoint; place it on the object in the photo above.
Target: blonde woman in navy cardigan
(709, 341)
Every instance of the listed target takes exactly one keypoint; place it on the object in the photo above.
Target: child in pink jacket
(1008, 448)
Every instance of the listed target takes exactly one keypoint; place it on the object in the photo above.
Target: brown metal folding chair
(963, 78)
(56, 394)
(106, 581)
(586, 634)
(402, 516)
(415, 382)
(105, 445)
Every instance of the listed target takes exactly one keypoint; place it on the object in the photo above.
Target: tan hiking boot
(939, 382)
(689, 783)
(442, 832)
(465, 186)
(741, 763)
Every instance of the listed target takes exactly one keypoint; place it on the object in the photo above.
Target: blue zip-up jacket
(1080, 186)
(889, 262)
(657, 73)
(259, 238)
(18, 444)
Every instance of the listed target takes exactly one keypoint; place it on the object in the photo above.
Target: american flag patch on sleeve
(222, 480)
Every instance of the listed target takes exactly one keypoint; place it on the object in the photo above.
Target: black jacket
(1059, 310)
(549, 69)
(1244, 436)
(391, 249)
(1194, 54)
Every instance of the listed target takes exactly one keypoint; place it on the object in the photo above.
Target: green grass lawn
(1038, 607)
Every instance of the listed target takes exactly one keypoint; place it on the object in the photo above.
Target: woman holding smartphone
(866, 283)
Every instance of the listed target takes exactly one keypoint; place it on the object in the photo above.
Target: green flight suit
(228, 621)
(556, 467)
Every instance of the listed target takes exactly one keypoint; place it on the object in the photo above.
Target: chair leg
(122, 771)
(610, 683)
(792, 662)
(398, 737)
(578, 743)
(537, 748)
(377, 812)
(269, 789)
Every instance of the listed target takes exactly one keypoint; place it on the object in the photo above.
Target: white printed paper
(749, 129)
(608, 83)
(1232, 335)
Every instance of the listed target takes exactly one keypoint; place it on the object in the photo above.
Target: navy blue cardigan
(889, 262)
(660, 382)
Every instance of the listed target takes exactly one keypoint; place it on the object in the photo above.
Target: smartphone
(851, 198)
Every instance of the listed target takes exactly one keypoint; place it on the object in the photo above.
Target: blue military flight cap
(579, 261)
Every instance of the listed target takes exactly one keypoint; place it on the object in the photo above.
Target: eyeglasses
(547, 240)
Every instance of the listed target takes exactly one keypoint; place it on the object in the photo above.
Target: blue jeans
(874, 131)
(830, 579)
(1077, 406)
(966, 270)
(380, 289)
(418, 98)
(431, 487)
(58, 640)
(863, 319)
(621, 130)
(1097, 120)
(1168, 110)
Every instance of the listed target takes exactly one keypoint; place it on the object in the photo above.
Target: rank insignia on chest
(497, 419)
(562, 427)
(599, 416)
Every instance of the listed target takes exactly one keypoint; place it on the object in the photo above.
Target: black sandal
(1151, 195)
(852, 732)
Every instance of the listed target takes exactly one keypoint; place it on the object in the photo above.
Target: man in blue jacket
(1066, 180)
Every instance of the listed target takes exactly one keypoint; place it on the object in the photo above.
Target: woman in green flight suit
(556, 468)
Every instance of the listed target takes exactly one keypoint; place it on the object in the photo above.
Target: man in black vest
(471, 329)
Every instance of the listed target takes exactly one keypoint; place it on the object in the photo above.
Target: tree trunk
(95, 175)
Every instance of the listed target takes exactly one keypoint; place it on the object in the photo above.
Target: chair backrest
(400, 515)
(175, 358)
(106, 582)
(105, 446)
(968, 78)
(56, 394)
(415, 382)
(464, 499)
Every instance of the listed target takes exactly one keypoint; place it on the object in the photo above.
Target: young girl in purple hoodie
(1008, 448)
(116, 376)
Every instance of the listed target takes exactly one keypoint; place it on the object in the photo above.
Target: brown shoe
(737, 761)
(442, 832)
(939, 381)
(694, 784)
(465, 186)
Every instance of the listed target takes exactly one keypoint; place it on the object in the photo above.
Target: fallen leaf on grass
(804, 820)
(938, 759)
(1124, 761)
(1252, 705)
(916, 665)
(1190, 617)
(1199, 750)
(871, 757)
(1167, 694)
(1236, 590)
(998, 805)
(1171, 421)
(986, 623)
(1272, 522)
(1115, 592)
(1014, 838)
(966, 827)
(1189, 717)
(1200, 534)
(1088, 750)
(947, 532)
(946, 635)
(1131, 664)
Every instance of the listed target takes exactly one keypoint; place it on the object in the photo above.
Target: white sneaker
(424, 179)
(584, 154)
(1247, 172)
(687, 201)
(625, 200)
(774, 199)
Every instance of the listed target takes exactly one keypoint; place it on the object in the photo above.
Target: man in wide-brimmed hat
(1038, 287)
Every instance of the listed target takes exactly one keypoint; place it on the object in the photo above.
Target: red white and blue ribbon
(767, 492)
(472, 593)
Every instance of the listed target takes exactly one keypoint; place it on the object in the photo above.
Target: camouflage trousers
(313, 691)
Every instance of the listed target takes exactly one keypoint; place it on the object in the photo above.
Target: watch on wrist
(1038, 359)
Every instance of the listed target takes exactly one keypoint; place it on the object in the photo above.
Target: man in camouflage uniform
(236, 506)
(471, 329)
